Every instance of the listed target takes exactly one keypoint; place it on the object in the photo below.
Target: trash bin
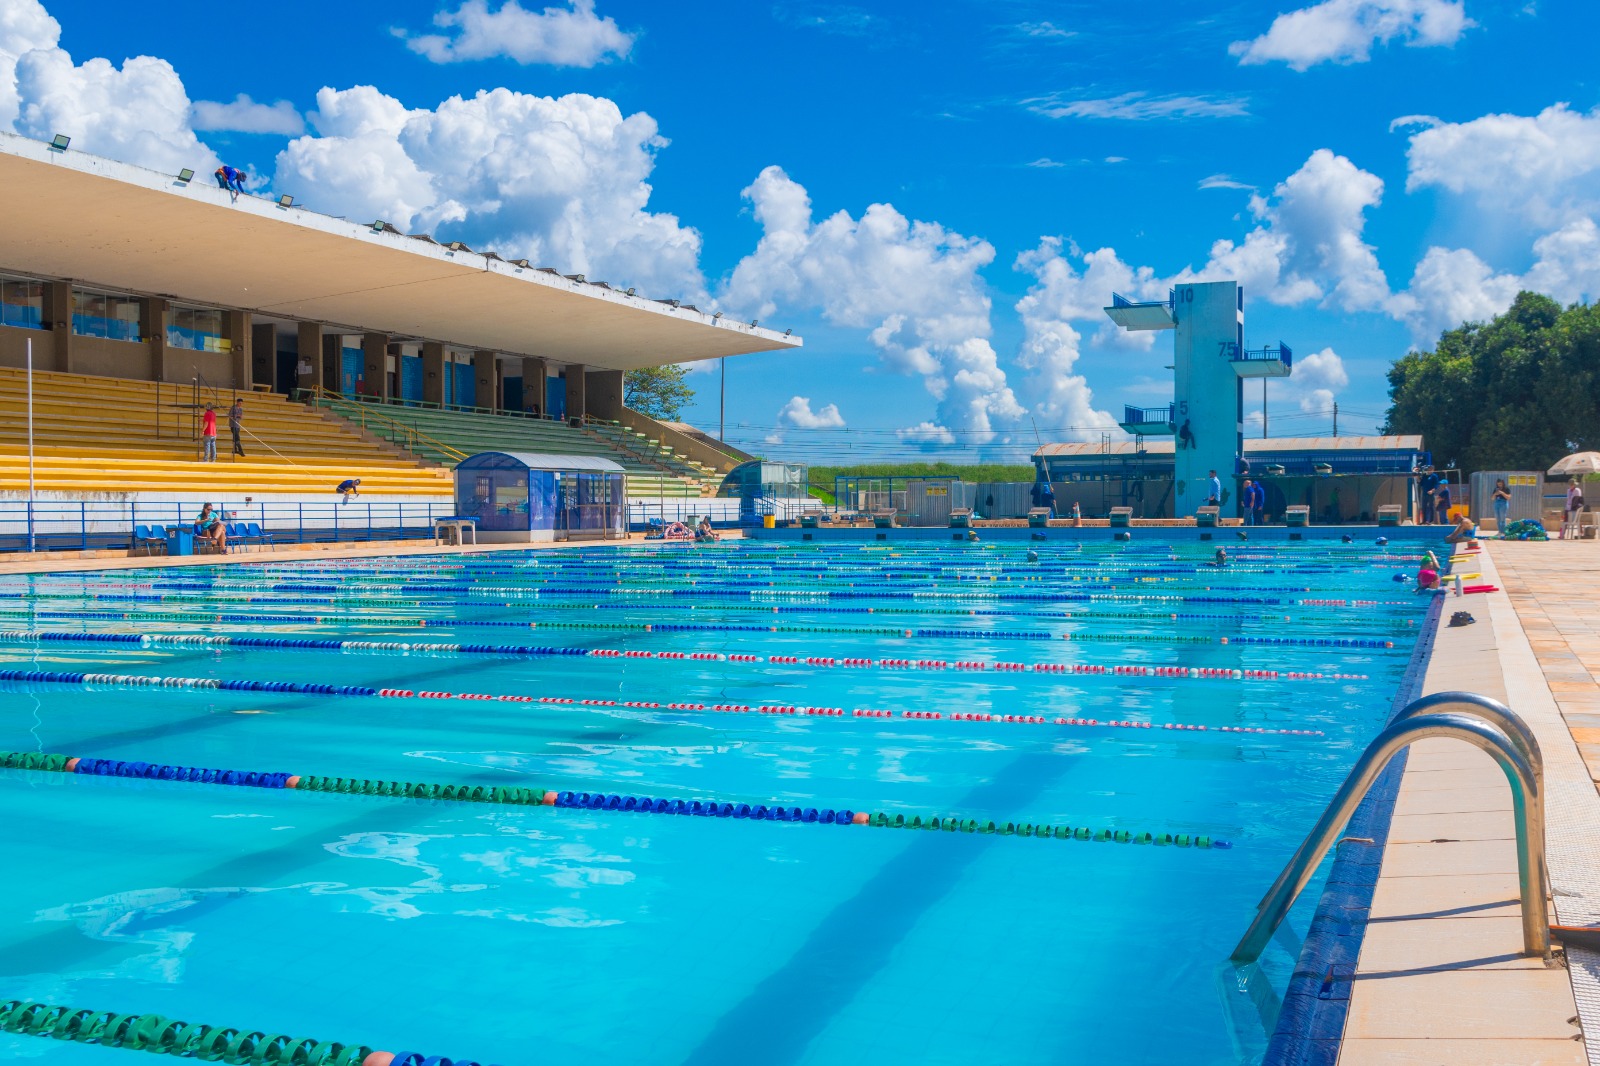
(769, 521)
(180, 540)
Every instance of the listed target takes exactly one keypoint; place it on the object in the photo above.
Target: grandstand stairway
(448, 436)
(96, 435)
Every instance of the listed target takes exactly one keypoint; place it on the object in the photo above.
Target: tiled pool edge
(1311, 1022)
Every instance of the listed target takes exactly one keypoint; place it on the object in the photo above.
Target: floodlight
(716, 316)
(60, 141)
(185, 175)
(575, 277)
(379, 226)
(630, 290)
(285, 200)
(787, 332)
(754, 323)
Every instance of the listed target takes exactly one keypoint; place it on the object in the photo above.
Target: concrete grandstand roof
(114, 225)
(1410, 443)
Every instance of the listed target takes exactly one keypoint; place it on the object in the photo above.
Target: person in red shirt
(208, 434)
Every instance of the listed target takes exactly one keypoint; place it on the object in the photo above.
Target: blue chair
(148, 537)
(253, 531)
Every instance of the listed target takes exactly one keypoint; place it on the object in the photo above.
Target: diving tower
(1210, 366)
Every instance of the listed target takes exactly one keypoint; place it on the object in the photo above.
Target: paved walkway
(1441, 978)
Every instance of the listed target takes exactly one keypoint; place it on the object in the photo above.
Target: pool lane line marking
(594, 801)
(1343, 643)
(1182, 673)
(89, 680)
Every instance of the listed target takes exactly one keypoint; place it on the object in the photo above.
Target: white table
(453, 530)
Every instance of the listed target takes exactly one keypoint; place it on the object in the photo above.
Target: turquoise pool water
(523, 935)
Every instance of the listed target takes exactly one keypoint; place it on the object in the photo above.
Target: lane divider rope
(70, 677)
(594, 801)
(209, 1043)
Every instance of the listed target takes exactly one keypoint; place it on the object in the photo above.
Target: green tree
(1514, 393)
(657, 391)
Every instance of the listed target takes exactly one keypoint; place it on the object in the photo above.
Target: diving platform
(1141, 316)
(1149, 421)
(1268, 362)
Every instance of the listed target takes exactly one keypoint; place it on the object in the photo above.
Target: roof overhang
(110, 224)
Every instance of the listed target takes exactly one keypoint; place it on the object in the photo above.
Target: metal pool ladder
(1481, 722)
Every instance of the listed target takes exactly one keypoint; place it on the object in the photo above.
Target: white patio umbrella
(1578, 463)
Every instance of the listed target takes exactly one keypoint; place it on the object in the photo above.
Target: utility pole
(722, 406)
(1336, 418)
(1263, 408)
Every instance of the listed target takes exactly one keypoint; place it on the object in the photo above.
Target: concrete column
(264, 354)
(604, 388)
(236, 327)
(332, 353)
(375, 372)
(308, 364)
(153, 328)
(533, 375)
(483, 370)
(433, 371)
(57, 355)
(575, 391)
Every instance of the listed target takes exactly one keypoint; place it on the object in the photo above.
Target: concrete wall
(14, 347)
(1207, 392)
(679, 442)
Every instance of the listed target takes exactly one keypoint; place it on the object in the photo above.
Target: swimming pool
(526, 932)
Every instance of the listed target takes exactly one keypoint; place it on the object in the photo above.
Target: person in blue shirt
(1247, 501)
(348, 488)
(232, 179)
(1441, 502)
(1215, 487)
(1430, 481)
(1044, 495)
(207, 526)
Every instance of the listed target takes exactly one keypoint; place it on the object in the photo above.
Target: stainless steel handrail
(1473, 705)
(1527, 799)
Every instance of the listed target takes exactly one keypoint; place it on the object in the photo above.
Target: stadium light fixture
(185, 176)
(630, 290)
(60, 141)
(379, 226)
(787, 332)
(754, 323)
(716, 316)
(285, 200)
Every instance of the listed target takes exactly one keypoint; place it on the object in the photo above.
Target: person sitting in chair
(209, 528)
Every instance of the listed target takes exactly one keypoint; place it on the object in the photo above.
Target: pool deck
(1441, 978)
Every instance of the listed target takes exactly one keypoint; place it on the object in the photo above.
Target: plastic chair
(148, 537)
(253, 531)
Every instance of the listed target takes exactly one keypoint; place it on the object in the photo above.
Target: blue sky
(938, 197)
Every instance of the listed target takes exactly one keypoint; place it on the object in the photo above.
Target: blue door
(555, 397)
(411, 377)
(466, 386)
(352, 364)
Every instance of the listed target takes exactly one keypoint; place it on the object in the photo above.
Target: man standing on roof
(208, 435)
(236, 423)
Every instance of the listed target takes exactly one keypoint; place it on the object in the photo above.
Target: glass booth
(521, 497)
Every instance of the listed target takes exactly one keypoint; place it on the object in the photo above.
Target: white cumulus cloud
(24, 26)
(138, 113)
(798, 413)
(1344, 31)
(570, 36)
(1309, 244)
(561, 181)
(914, 286)
(1551, 159)
(926, 433)
(244, 115)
